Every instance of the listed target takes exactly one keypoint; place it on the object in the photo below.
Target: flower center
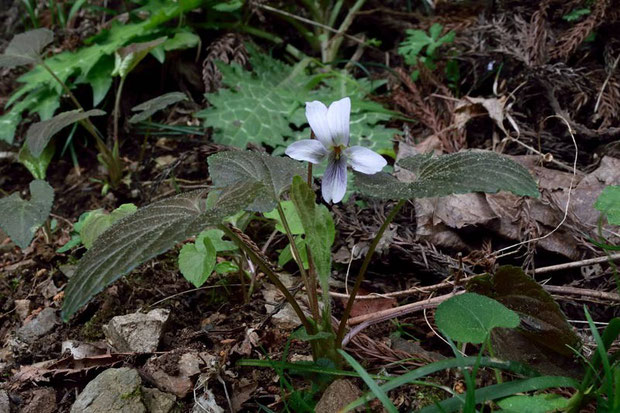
(338, 151)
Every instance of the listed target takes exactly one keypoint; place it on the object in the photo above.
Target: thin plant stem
(111, 162)
(364, 267)
(117, 106)
(334, 43)
(310, 288)
(273, 277)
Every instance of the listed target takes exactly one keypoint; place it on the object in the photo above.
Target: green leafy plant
(257, 182)
(91, 224)
(259, 106)
(21, 219)
(420, 46)
(608, 202)
(197, 260)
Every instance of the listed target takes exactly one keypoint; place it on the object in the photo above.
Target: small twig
(576, 264)
(208, 287)
(611, 72)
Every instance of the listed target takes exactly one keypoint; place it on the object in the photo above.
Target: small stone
(137, 332)
(81, 350)
(43, 400)
(5, 405)
(114, 390)
(206, 404)
(189, 364)
(39, 326)
(340, 393)
(22, 308)
(157, 401)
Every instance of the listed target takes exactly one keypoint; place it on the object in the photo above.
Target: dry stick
(542, 270)
(611, 72)
(576, 264)
(384, 315)
(367, 320)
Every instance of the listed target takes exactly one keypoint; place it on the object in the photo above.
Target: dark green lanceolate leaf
(20, 219)
(97, 222)
(318, 226)
(40, 133)
(274, 173)
(25, 48)
(470, 317)
(197, 261)
(457, 173)
(540, 403)
(148, 108)
(145, 234)
(608, 202)
(544, 339)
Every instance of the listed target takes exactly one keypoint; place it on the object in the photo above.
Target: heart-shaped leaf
(457, 173)
(21, 219)
(148, 108)
(608, 202)
(40, 133)
(197, 261)
(545, 340)
(97, 222)
(36, 165)
(25, 48)
(147, 233)
(273, 172)
(470, 317)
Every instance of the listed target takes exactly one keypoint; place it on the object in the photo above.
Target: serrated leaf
(25, 48)
(608, 202)
(544, 340)
(36, 165)
(145, 234)
(457, 173)
(21, 219)
(40, 133)
(99, 77)
(318, 226)
(259, 107)
(470, 317)
(274, 173)
(197, 261)
(98, 221)
(148, 108)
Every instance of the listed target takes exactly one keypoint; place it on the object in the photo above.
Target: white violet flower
(331, 128)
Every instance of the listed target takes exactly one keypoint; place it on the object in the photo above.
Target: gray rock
(5, 406)
(114, 390)
(337, 395)
(42, 400)
(136, 332)
(39, 326)
(157, 401)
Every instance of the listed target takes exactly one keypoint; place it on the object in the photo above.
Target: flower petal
(365, 160)
(334, 183)
(316, 113)
(309, 150)
(338, 116)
